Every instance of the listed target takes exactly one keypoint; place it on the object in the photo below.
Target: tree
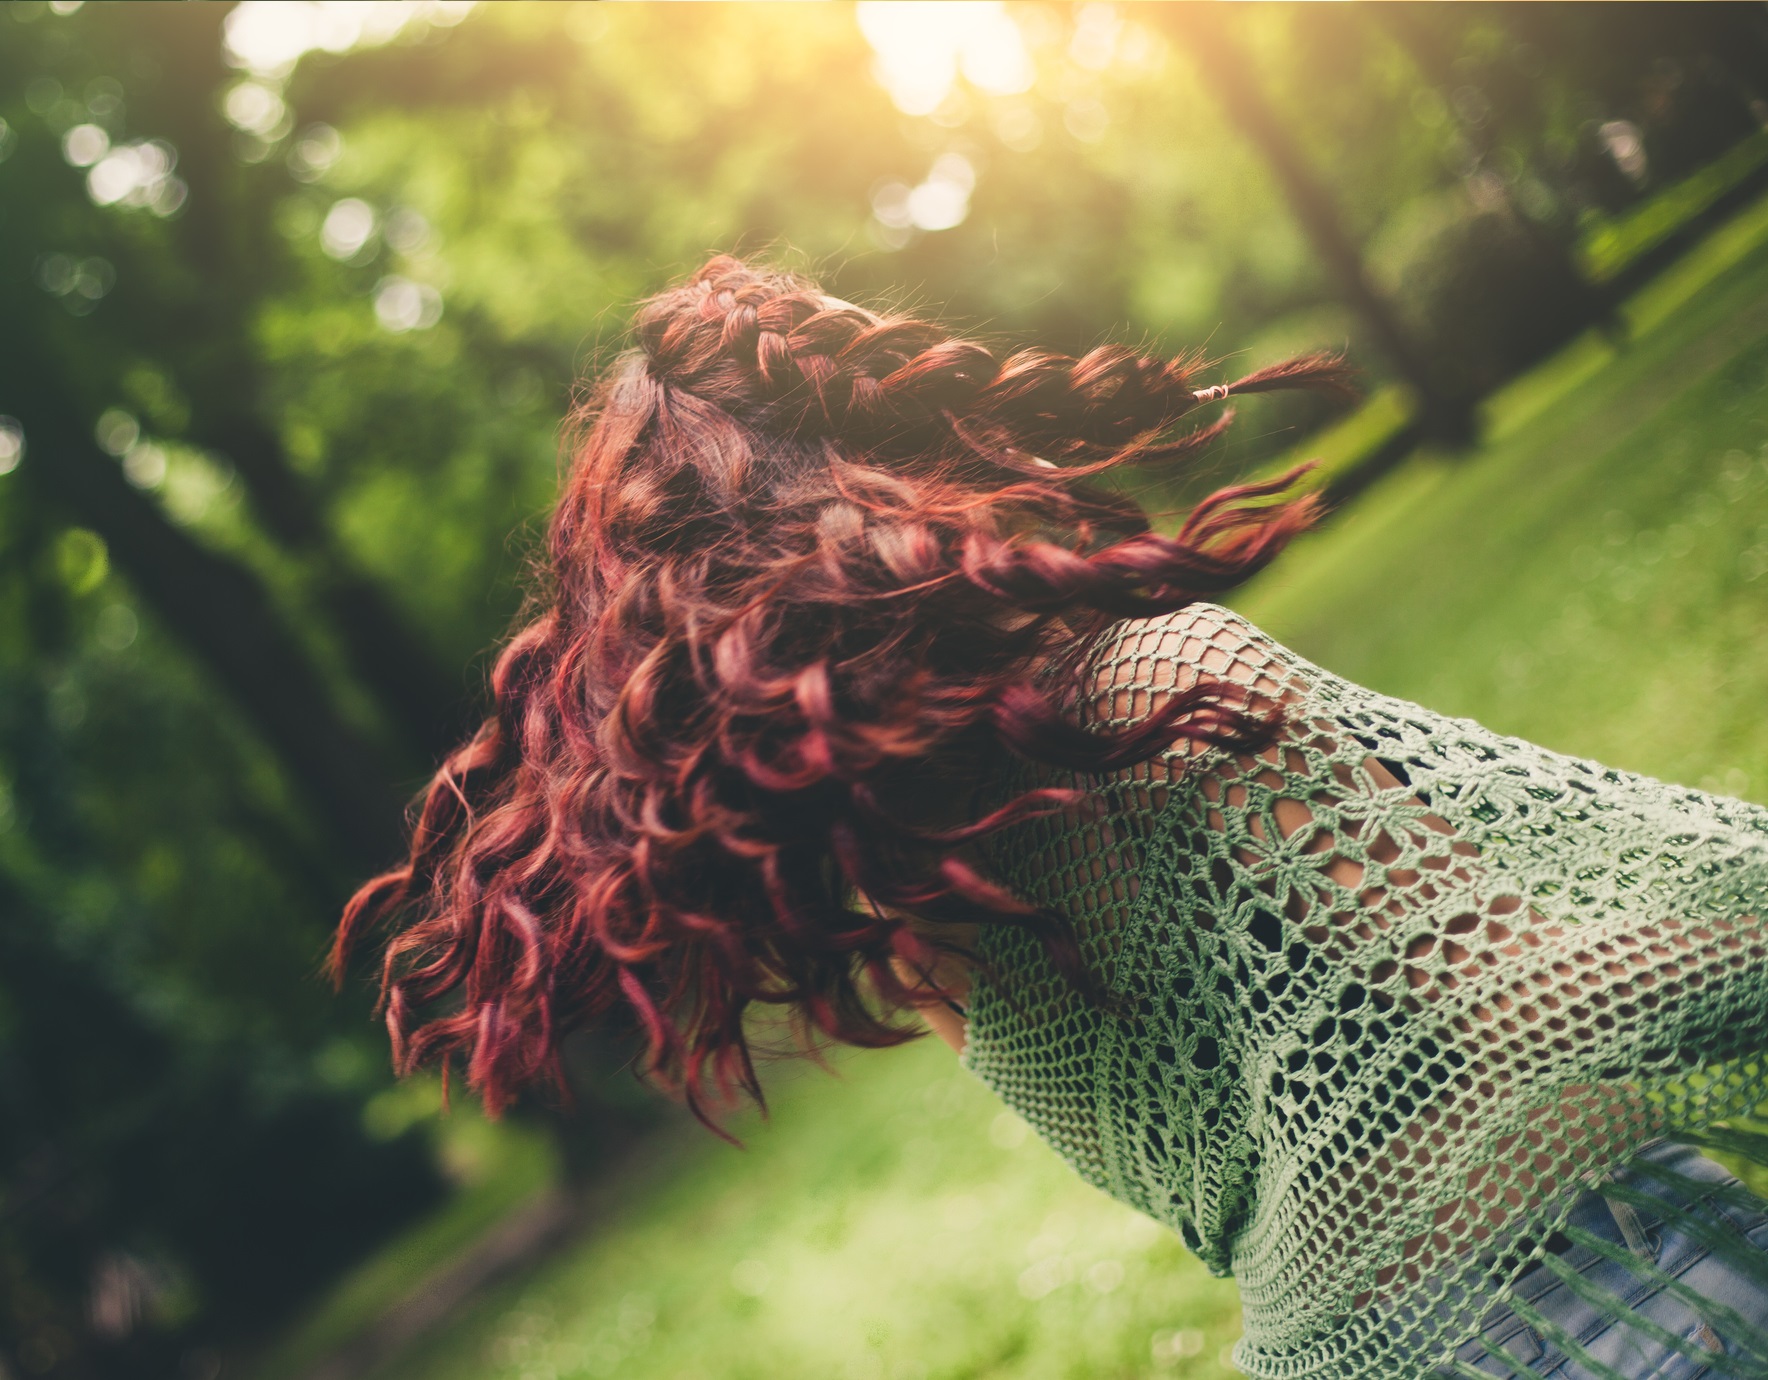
(1224, 67)
(288, 351)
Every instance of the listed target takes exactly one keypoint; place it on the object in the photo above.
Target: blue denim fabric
(1615, 1344)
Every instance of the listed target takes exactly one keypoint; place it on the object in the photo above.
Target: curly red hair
(809, 562)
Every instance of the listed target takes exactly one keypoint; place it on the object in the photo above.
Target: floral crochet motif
(1379, 1000)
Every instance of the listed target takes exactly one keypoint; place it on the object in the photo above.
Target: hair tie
(1214, 393)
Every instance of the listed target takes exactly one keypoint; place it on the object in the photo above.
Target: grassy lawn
(1594, 577)
(890, 1223)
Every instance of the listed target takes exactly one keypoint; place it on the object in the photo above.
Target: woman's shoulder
(1139, 662)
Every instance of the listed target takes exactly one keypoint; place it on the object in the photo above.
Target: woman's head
(812, 567)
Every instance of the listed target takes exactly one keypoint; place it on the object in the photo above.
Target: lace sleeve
(1395, 988)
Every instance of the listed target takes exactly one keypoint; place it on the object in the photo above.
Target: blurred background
(292, 298)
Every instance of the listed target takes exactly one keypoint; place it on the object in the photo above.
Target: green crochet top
(1383, 998)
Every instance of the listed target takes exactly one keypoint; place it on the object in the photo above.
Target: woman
(852, 689)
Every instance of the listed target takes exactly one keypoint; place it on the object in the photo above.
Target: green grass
(1613, 244)
(1591, 577)
(889, 1223)
(1595, 577)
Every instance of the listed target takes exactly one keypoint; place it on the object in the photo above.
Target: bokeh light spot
(407, 231)
(138, 174)
(1007, 1131)
(1096, 30)
(890, 204)
(349, 226)
(314, 152)
(921, 48)
(12, 444)
(751, 1278)
(268, 37)
(401, 305)
(116, 627)
(1019, 128)
(116, 431)
(42, 94)
(254, 108)
(1626, 146)
(84, 145)
(940, 202)
(80, 283)
(1181, 1344)
(938, 205)
(1086, 120)
(1103, 1276)
(144, 465)
(81, 559)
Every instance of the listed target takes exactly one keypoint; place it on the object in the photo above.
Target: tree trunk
(1431, 55)
(1226, 71)
(199, 325)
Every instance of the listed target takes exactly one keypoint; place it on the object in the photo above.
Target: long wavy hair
(812, 564)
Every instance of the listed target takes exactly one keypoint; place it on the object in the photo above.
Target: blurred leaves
(282, 365)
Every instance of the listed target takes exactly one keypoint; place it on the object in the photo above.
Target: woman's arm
(1403, 981)
(945, 1016)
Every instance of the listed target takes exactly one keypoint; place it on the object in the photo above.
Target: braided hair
(809, 560)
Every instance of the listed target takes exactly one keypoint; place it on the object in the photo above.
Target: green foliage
(273, 506)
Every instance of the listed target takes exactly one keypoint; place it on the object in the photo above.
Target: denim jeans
(1668, 1249)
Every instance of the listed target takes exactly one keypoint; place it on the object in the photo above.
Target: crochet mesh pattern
(1381, 999)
